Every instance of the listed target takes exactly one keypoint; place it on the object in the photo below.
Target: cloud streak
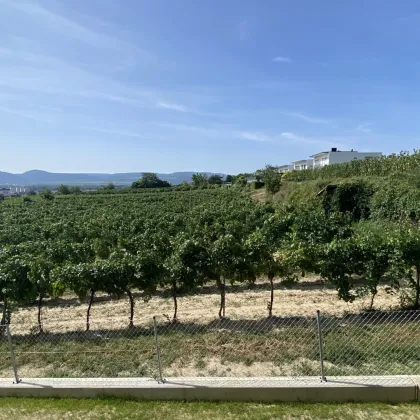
(25, 115)
(308, 118)
(46, 75)
(281, 59)
(71, 29)
(254, 136)
(229, 133)
(114, 132)
(173, 107)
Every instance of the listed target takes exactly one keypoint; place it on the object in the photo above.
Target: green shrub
(350, 197)
(403, 162)
(256, 185)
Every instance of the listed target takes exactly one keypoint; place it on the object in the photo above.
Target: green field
(113, 409)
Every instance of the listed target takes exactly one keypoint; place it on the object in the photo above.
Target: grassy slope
(113, 409)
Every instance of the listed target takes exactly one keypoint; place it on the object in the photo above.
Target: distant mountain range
(37, 177)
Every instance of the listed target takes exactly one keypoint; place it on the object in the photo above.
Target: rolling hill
(38, 177)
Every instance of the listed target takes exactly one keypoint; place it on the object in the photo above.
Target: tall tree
(199, 179)
(269, 259)
(215, 179)
(224, 258)
(47, 195)
(110, 186)
(378, 250)
(40, 268)
(271, 178)
(185, 266)
(83, 279)
(150, 180)
(15, 286)
(64, 189)
(409, 242)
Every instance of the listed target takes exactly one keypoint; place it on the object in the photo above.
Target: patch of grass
(118, 409)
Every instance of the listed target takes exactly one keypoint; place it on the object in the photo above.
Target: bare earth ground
(302, 299)
(279, 351)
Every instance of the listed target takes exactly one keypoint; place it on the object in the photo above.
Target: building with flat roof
(285, 168)
(340, 156)
(300, 165)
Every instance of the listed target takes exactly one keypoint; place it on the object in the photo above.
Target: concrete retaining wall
(339, 389)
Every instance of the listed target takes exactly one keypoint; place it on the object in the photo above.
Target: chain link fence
(375, 343)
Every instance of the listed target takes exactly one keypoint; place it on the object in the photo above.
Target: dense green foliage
(147, 180)
(115, 242)
(381, 166)
(271, 178)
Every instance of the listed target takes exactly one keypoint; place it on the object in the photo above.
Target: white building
(337, 156)
(300, 165)
(285, 168)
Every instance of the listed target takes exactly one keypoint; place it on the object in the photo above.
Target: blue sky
(141, 85)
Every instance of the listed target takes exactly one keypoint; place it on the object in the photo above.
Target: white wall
(303, 164)
(321, 161)
(341, 157)
(285, 168)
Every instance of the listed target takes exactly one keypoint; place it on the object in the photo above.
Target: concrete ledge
(305, 389)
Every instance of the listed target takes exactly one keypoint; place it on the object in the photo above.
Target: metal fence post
(161, 380)
(12, 354)
(321, 346)
(224, 298)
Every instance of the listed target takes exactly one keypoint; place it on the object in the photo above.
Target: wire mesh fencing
(101, 352)
(375, 343)
(239, 348)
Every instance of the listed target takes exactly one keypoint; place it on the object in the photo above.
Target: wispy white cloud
(281, 59)
(364, 128)
(173, 107)
(109, 97)
(254, 136)
(52, 76)
(226, 132)
(49, 76)
(308, 118)
(243, 30)
(72, 29)
(219, 132)
(25, 115)
(290, 136)
(114, 132)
